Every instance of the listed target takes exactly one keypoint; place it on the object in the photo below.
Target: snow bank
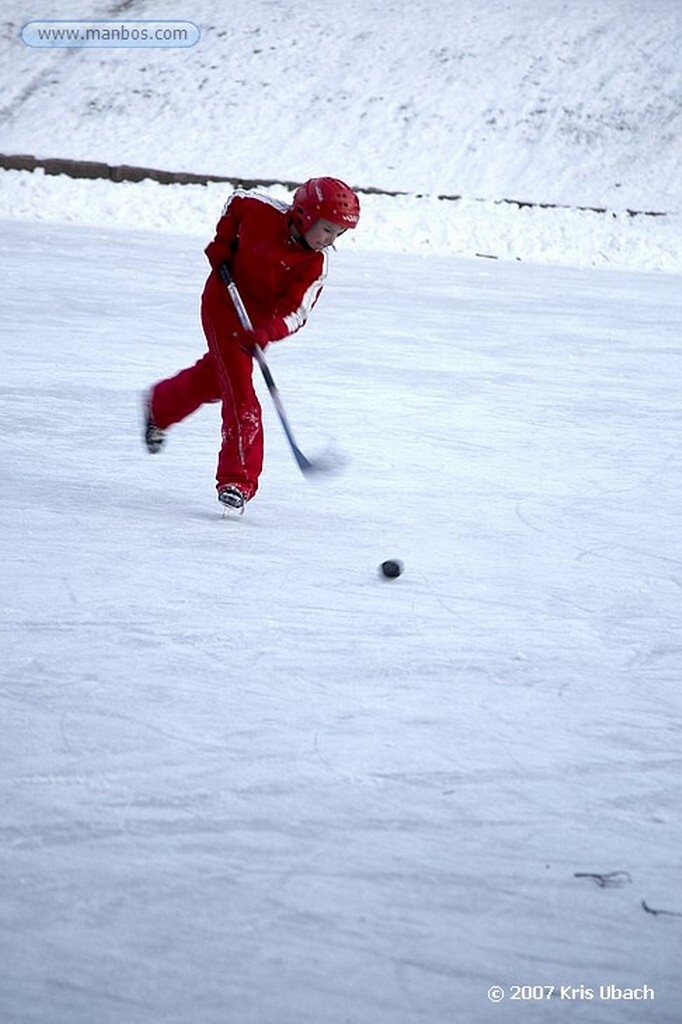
(406, 224)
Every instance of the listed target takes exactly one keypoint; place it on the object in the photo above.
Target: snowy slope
(540, 100)
(245, 780)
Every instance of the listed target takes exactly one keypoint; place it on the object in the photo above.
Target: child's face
(322, 234)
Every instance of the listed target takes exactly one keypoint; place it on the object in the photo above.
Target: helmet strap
(297, 236)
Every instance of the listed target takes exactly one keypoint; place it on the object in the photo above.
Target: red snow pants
(224, 374)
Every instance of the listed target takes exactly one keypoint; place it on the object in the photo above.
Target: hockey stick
(322, 465)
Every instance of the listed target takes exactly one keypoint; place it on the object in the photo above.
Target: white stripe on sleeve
(298, 316)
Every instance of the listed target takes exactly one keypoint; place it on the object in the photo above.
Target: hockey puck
(391, 568)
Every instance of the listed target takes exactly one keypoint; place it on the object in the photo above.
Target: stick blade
(328, 463)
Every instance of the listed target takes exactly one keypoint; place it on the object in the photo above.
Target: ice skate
(232, 499)
(154, 437)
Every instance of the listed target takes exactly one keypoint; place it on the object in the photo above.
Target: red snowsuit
(280, 279)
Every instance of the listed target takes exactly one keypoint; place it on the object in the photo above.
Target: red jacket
(279, 279)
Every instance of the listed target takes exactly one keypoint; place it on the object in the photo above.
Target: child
(276, 256)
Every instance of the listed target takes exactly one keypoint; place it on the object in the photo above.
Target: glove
(258, 336)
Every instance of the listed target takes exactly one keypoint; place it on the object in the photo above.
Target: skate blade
(232, 513)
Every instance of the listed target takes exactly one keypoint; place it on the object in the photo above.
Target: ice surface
(246, 780)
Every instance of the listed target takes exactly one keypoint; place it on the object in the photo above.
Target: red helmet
(326, 198)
